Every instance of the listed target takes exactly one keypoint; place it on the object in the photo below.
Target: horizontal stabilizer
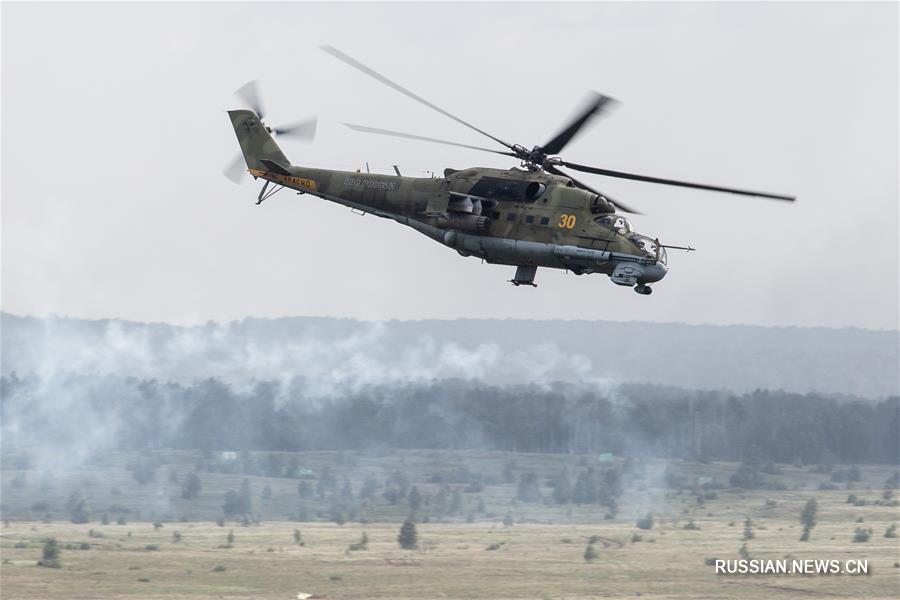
(273, 166)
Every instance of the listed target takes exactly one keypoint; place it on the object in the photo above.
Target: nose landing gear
(643, 289)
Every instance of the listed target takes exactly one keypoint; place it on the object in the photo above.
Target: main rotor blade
(699, 186)
(410, 136)
(249, 93)
(361, 67)
(593, 105)
(235, 169)
(303, 130)
(588, 188)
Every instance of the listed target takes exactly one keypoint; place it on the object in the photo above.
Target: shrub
(144, 471)
(362, 544)
(747, 477)
(645, 522)
(176, 537)
(691, 525)
(861, 535)
(589, 553)
(219, 569)
(151, 547)
(891, 532)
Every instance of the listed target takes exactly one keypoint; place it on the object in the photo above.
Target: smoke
(362, 356)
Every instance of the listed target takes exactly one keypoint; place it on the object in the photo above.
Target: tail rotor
(249, 94)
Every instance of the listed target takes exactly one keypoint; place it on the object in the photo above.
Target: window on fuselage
(529, 219)
(511, 216)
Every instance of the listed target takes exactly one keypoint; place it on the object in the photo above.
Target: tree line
(108, 412)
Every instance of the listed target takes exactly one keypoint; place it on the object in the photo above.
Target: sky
(114, 137)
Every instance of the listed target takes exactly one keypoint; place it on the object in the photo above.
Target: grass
(531, 560)
(540, 556)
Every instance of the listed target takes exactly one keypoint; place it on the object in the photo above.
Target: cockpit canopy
(497, 188)
(650, 247)
(617, 223)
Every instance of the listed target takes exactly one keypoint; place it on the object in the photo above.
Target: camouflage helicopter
(530, 216)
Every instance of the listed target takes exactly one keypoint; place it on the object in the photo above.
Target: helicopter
(530, 216)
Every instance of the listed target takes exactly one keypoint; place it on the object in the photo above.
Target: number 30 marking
(566, 221)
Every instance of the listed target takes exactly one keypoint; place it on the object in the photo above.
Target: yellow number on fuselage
(566, 221)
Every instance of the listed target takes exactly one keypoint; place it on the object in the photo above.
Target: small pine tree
(590, 553)
(191, 486)
(748, 529)
(508, 471)
(415, 498)
(562, 488)
(808, 518)
(230, 538)
(408, 538)
(305, 489)
(50, 555)
(80, 512)
(370, 486)
(298, 537)
(528, 490)
(744, 552)
(455, 502)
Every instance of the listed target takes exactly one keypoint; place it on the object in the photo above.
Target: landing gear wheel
(643, 289)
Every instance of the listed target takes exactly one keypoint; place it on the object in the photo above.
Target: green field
(540, 555)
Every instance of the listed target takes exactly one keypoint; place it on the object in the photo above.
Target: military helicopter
(530, 216)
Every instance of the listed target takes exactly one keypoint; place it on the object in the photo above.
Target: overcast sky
(114, 138)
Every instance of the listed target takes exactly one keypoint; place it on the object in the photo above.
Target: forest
(79, 414)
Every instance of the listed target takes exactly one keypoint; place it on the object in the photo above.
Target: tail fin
(256, 143)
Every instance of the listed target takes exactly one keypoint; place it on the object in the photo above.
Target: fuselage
(514, 217)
